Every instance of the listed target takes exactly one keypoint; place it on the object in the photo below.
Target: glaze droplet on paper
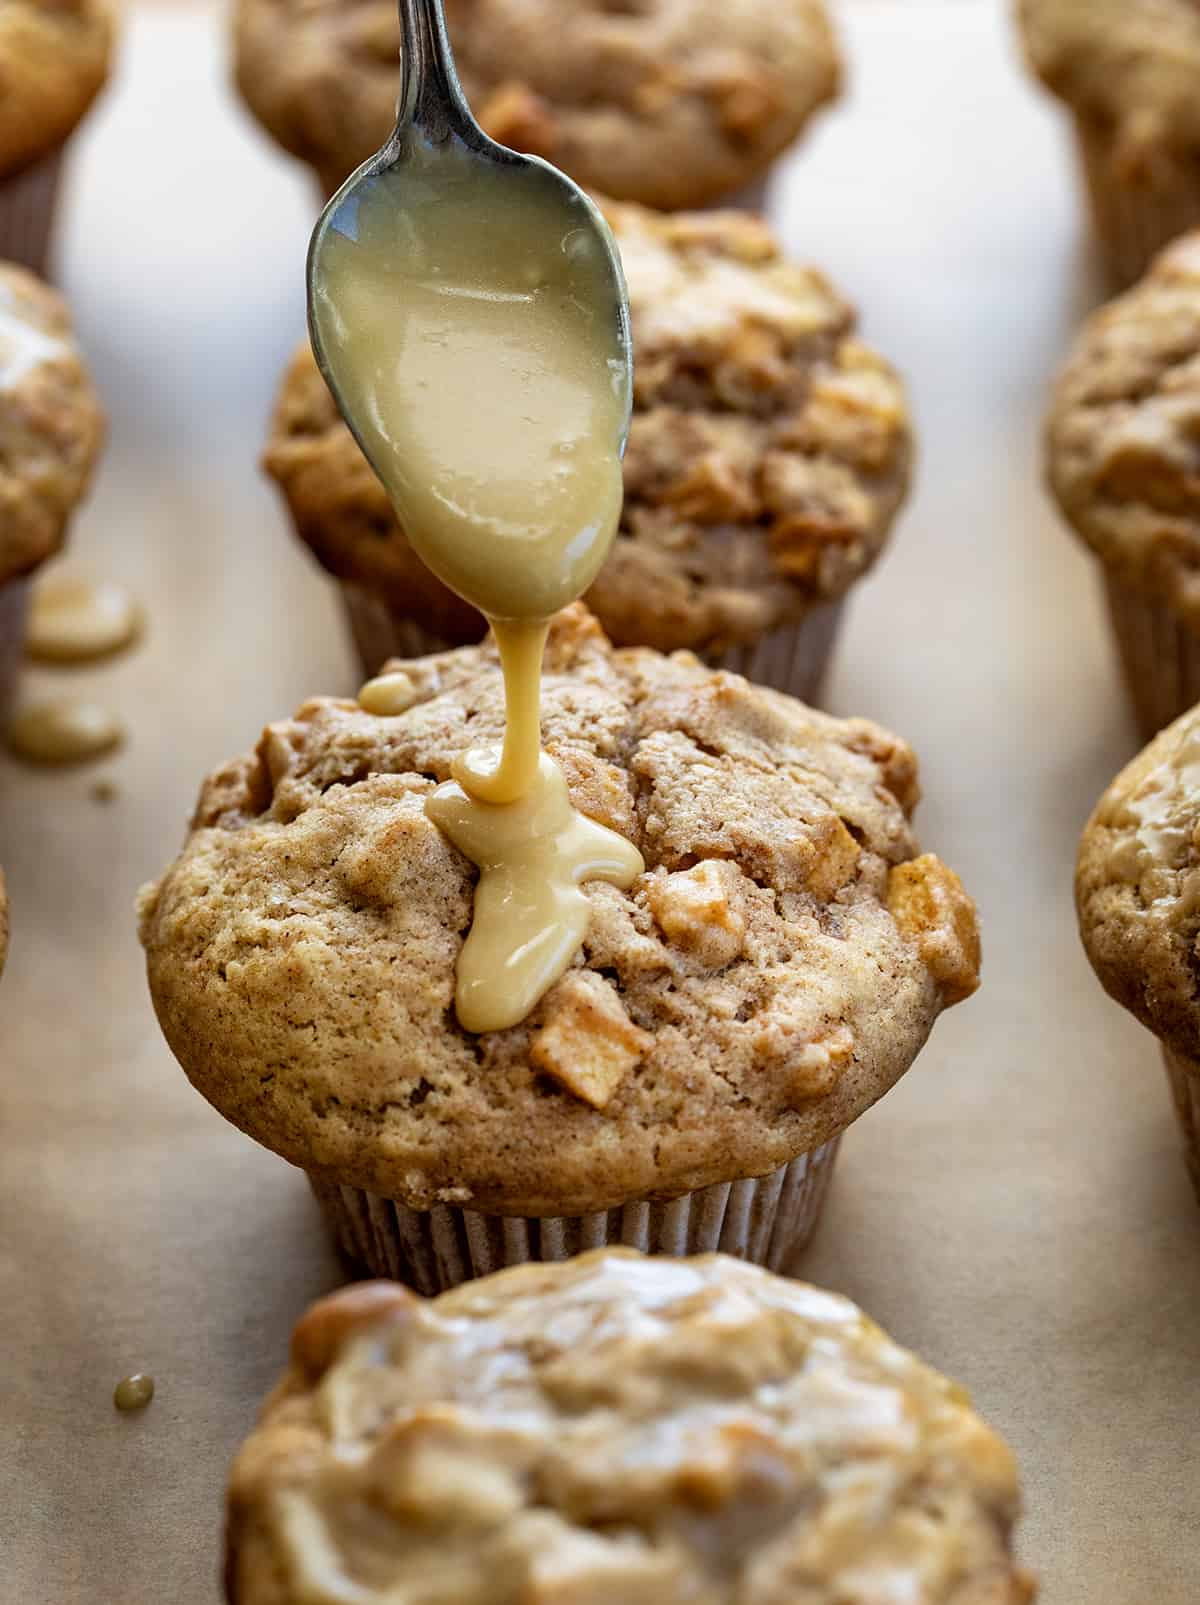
(74, 620)
(133, 1392)
(63, 730)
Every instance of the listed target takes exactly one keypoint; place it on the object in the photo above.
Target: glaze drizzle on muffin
(617, 1429)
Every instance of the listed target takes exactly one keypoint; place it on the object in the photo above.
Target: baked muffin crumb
(51, 423)
(1138, 886)
(617, 1429)
(670, 104)
(1122, 431)
(752, 993)
(1129, 65)
(55, 55)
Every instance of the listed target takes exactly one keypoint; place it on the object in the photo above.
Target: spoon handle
(431, 97)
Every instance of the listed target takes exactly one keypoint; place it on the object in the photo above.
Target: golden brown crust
(672, 103)
(54, 58)
(1131, 65)
(618, 1429)
(743, 1002)
(51, 423)
(928, 903)
(768, 455)
(330, 1324)
(1138, 886)
(1122, 433)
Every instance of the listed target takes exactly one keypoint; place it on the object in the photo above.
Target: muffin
(51, 431)
(682, 1087)
(1120, 449)
(54, 59)
(1129, 73)
(1138, 896)
(768, 455)
(611, 1430)
(671, 105)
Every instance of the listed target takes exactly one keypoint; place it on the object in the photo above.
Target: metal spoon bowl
(435, 134)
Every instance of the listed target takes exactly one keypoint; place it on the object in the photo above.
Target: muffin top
(1138, 885)
(51, 425)
(1123, 431)
(768, 453)
(54, 57)
(1133, 65)
(647, 1432)
(774, 971)
(672, 103)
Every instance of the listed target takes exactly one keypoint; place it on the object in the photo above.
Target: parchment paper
(1016, 1210)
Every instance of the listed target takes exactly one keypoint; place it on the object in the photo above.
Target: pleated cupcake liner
(1184, 1077)
(752, 197)
(27, 206)
(1159, 654)
(14, 604)
(379, 633)
(768, 1220)
(1135, 214)
(794, 659)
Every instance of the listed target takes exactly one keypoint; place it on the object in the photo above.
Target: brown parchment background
(1016, 1210)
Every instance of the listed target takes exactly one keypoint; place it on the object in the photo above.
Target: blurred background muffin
(618, 1431)
(54, 59)
(682, 1087)
(673, 103)
(51, 432)
(1138, 897)
(770, 451)
(1129, 73)
(1121, 457)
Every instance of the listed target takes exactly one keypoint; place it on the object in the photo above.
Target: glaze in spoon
(461, 297)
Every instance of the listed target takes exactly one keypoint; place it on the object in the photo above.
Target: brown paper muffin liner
(1159, 654)
(27, 205)
(1135, 212)
(768, 1221)
(793, 659)
(379, 633)
(1184, 1076)
(14, 601)
(750, 198)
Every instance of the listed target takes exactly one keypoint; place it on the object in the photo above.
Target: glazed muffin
(54, 59)
(768, 455)
(1138, 896)
(51, 431)
(671, 105)
(1129, 73)
(619, 1431)
(683, 1086)
(1120, 446)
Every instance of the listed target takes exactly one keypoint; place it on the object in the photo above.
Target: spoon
(444, 212)
(469, 313)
